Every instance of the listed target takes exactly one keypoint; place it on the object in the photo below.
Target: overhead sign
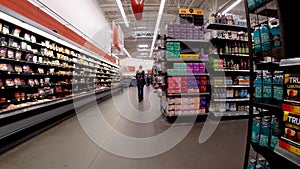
(191, 11)
(193, 16)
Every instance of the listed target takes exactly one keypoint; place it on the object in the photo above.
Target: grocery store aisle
(68, 144)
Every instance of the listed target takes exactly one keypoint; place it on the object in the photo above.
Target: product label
(292, 84)
(255, 137)
(263, 140)
(274, 141)
(291, 126)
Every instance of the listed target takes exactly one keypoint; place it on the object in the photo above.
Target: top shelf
(259, 6)
(188, 40)
(290, 62)
(220, 26)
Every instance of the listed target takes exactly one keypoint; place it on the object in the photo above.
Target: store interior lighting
(160, 12)
(122, 12)
(231, 6)
(126, 52)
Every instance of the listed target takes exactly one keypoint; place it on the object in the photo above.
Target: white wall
(86, 16)
(147, 65)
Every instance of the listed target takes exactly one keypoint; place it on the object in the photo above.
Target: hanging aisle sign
(194, 16)
(137, 8)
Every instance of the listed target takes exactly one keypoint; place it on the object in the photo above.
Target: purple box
(176, 35)
(171, 34)
(190, 70)
(189, 30)
(189, 37)
(183, 30)
(196, 70)
(201, 37)
(176, 29)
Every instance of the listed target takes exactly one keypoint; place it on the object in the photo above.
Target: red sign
(137, 8)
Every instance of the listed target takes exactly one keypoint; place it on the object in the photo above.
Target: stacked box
(203, 82)
(185, 31)
(174, 84)
(173, 49)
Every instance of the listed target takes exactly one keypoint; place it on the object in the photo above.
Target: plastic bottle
(258, 88)
(265, 131)
(267, 89)
(265, 37)
(256, 129)
(252, 164)
(275, 132)
(256, 38)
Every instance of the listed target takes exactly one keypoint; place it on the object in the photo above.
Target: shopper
(140, 82)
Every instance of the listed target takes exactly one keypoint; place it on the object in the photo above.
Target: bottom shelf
(275, 160)
(288, 155)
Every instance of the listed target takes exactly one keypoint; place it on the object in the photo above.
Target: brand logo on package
(191, 11)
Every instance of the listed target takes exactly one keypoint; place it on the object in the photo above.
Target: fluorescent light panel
(122, 12)
(143, 46)
(126, 52)
(231, 6)
(161, 9)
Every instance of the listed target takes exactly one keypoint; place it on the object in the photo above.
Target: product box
(292, 84)
(291, 133)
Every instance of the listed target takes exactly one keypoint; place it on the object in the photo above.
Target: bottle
(236, 48)
(265, 132)
(261, 161)
(276, 35)
(256, 38)
(275, 133)
(243, 50)
(251, 4)
(226, 48)
(252, 164)
(247, 49)
(265, 37)
(267, 88)
(255, 129)
(240, 51)
(258, 88)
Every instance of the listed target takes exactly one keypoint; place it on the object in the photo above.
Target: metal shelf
(188, 40)
(231, 100)
(233, 86)
(287, 155)
(186, 60)
(201, 74)
(187, 94)
(230, 113)
(229, 70)
(220, 26)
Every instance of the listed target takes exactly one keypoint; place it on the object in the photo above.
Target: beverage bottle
(226, 48)
(265, 132)
(276, 36)
(240, 48)
(247, 49)
(256, 129)
(258, 88)
(267, 88)
(262, 161)
(256, 38)
(265, 37)
(275, 133)
(243, 51)
(236, 48)
(251, 4)
(252, 164)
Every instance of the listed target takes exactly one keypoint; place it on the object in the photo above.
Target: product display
(32, 61)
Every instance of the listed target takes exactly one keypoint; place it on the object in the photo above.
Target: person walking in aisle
(140, 82)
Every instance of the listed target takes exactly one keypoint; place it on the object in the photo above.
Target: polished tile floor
(85, 142)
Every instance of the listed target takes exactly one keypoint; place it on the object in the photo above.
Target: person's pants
(140, 91)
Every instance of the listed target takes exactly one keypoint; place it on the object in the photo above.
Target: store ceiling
(141, 32)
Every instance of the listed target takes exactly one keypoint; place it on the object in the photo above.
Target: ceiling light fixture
(143, 46)
(231, 6)
(122, 12)
(126, 52)
(160, 12)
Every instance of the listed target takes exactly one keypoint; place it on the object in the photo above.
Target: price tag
(9, 73)
(8, 101)
(2, 87)
(18, 73)
(23, 99)
(2, 57)
(34, 97)
(16, 87)
(32, 73)
(42, 85)
(18, 100)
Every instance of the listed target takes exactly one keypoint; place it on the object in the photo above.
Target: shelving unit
(229, 62)
(267, 127)
(42, 74)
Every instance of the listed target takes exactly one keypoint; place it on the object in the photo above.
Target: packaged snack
(40, 70)
(23, 45)
(3, 52)
(29, 47)
(18, 55)
(3, 67)
(5, 29)
(2, 100)
(16, 32)
(3, 41)
(30, 82)
(23, 82)
(34, 58)
(22, 94)
(9, 82)
(36, 82)
(41, 81)
(10, 54)
(1, 83)
(41, 91)
(33, 39)
(17, 95)
(29, 57)
(26, 69)
(18, 68)
(17, 81)
(10, 68)
(15, 45)
(47, 80)
(41, 59)
(27, 36)
(1, 27)
(51, 70)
